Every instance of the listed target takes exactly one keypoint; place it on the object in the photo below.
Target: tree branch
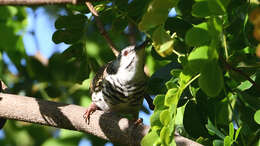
(37, 2)
(104, 125)
(230, 67)
(101, 28)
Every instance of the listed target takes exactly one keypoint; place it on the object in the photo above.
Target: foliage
(203, 66)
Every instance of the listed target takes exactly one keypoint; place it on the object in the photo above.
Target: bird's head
(130, 59)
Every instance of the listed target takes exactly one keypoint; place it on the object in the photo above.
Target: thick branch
(37, 2)
(68, 116)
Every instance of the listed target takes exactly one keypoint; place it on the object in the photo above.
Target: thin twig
(230, 67)
(101, 28)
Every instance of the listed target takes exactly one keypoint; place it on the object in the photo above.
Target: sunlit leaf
(157, 13)
(257, 117)
(150, 139)
(198, 35)
(227, 141)
(231, 131)
(162, 42)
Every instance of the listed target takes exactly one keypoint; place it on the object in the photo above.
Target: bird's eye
(125, 53)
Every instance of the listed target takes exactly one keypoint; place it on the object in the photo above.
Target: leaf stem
(229, 103)
(194, 78)
(225, 46)
(177, 53)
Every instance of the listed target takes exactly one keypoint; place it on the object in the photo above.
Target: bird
(121, 85)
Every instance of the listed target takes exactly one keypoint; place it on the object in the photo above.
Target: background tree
(203, 66)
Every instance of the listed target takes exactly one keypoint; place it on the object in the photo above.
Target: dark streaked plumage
(120, 86)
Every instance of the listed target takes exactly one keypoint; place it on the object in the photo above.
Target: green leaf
(66, 36)
(37, 70)
(198, 35)
(178, 25)
(159, 102)
(257, 116)
(237, 133)
(8, 37)
(192, 112)
(227, 141)
(185, 77)
(8, 11)
(173, 143)
(245, 85)
(165, 135)
(211, 80)
(171, 83)
(119, 24)
(75, 22)
(165, 117)
(218, 142)
(159, 107)
(156, 83)
(67, 68)
(152, 138)
(162, 42)
(61, 142)
(92, 49)
(168, 118)
(197, 58)
(157, 13)
(78, 7)
(69, 133)
(212, 129)
(201, 9)
(231, 130)
(180, 115)
(171, 97)
(155, 120)
(215, 28)
(224, 114)
(218, 7)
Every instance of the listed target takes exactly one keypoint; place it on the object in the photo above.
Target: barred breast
(126, 97)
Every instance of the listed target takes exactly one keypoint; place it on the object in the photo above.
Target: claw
(138, 121)
(92, 108)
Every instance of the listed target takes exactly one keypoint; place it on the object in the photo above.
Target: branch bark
(104, 125)
(101, 27)
(37, 2)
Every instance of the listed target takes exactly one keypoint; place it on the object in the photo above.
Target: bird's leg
(149, 100)
(92, 108)
(137, 121)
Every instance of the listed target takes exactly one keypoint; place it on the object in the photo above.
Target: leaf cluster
(203, 65)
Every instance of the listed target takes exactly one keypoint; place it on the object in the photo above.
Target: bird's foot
(138, 121)
(92, 108)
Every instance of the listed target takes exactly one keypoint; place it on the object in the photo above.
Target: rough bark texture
(38, 2)
(68, 116)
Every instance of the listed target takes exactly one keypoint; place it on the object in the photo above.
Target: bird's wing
(96, 83)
